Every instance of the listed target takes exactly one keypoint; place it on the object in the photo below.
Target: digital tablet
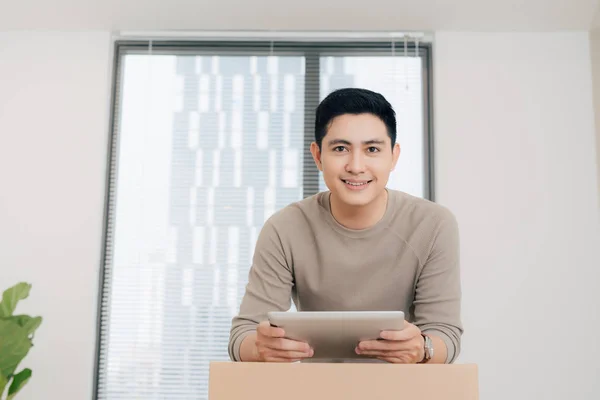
(335, 334)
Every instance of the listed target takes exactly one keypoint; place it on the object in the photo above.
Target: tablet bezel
(335, 334)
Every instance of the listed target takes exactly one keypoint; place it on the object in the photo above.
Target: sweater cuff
(234, 350)
(451, 348)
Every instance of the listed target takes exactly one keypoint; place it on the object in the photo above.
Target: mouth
(354, 184)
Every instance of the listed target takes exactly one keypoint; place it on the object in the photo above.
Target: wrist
(248, 350)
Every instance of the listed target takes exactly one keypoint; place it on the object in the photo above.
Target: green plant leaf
(29, 323)
(14, 346)
(3, 383)
(19, 380)
(11, 297)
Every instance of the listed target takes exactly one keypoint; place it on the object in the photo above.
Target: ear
(316, 153)
(395, 155)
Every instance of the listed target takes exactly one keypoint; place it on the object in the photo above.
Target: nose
(356, 163)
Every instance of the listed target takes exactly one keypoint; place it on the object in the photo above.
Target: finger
(287, 345)
(265, 328)
(405, 334)
(383, 345)
(408, 354)
(376, 353)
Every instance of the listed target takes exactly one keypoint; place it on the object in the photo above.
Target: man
(358, 246)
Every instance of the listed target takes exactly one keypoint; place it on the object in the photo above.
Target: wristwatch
(428, 349)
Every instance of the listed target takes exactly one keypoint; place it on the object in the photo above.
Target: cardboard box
(303, 381)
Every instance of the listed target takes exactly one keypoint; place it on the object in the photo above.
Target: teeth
(356, 184)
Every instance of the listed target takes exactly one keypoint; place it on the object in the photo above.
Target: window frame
(312, 51)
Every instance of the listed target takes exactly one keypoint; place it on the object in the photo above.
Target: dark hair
(353, 101)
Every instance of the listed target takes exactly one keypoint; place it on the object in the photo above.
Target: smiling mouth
(356, 184)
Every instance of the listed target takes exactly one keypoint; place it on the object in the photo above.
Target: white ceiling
(429, 15)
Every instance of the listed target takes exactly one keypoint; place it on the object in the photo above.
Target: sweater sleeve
(437, 304)
(269, 288)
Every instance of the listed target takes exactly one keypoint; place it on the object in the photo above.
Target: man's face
(356, 158)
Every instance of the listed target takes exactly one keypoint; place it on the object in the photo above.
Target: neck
(359, 217)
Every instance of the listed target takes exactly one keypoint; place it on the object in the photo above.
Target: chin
(356, 199)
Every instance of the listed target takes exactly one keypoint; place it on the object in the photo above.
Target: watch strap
(428, 349)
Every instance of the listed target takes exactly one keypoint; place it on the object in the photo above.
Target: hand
(404, 347)
(271, 345)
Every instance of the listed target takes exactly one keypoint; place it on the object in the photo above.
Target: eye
(372, 149)
(339, 149)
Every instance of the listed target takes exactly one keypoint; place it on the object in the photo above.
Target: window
(209, 140)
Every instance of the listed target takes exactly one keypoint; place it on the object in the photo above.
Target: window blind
(209, 139)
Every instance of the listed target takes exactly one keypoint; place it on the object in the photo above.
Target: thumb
(266, 329)
(409, 332)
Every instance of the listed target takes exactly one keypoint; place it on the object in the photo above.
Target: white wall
(515, 161)
(595, 50)
(53, 138)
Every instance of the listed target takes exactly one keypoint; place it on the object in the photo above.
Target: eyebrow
(366, 142)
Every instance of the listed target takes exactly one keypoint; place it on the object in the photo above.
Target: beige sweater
(408, 261)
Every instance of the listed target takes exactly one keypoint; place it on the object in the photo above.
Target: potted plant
(16, 338)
